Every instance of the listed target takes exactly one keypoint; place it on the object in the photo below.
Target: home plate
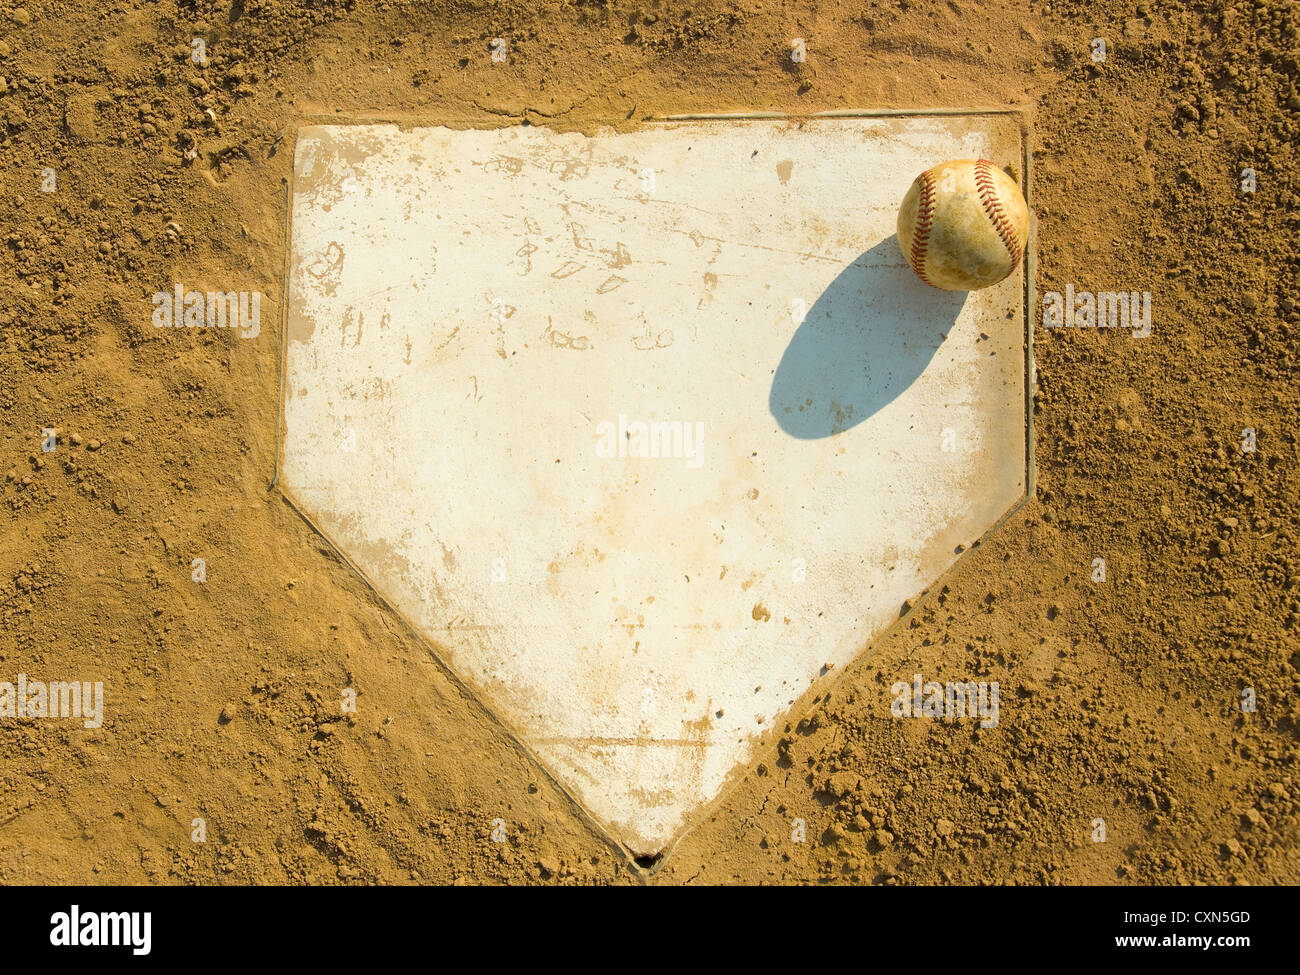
(645, 432)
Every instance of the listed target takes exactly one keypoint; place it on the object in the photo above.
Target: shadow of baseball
(867, 338)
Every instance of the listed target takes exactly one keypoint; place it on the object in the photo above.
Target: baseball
(963, 225)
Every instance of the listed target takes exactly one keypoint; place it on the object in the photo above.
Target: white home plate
(643, 430)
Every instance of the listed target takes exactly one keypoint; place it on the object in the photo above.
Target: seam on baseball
(924, 217)
(996, 213)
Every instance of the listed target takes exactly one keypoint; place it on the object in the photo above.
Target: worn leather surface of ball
(963, 225)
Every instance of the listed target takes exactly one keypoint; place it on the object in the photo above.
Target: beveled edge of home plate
(647, 866)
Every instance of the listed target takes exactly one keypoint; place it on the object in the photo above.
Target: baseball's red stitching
(924, 217)
(993, 207)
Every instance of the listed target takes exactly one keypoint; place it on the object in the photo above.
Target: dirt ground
(1123, 698)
